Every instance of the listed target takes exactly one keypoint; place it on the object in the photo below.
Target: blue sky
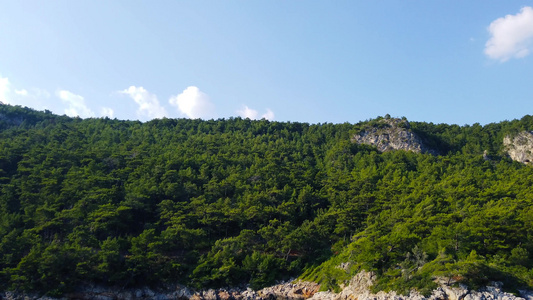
(438, 61)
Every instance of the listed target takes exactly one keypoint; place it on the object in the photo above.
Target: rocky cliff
(520, 147)
(391, 134)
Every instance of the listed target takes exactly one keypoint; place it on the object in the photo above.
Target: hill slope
(228, 202)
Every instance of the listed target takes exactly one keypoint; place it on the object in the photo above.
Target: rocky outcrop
(359, 289)
(11, 120)
(298, 290)
(520, 147)
(391, 134)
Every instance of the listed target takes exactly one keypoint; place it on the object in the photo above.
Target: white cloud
(269, 115)
(76, 104)
(252, 114)
(511, 36)
(4, 89)
(107, 112)
(22, 92)
(148, 104)
(194, 103)
(32, 98)
(247, 112)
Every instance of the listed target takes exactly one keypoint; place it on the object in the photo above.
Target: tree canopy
(234, 201)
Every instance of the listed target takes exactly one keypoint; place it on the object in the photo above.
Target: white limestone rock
(359, 289)
(392, 134)
(520, 147)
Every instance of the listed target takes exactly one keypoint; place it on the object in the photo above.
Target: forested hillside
(229, 202)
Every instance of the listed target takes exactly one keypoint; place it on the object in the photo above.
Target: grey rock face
(13, 121)
(391, 134)
(360, 284)
(520, 147)
(290, 291)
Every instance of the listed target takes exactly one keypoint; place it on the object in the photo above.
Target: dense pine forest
(234, 201)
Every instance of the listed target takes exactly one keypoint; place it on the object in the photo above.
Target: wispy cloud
(76, 104)
(40, 93)
(22, 92)
(33, 97)
(253, 114)
(107, 112)
(73, 105)
(269, 115)
(511, 36)
(148, 104)
(193, 103)
(247, 112)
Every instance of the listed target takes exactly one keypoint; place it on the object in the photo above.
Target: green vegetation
(228, 202)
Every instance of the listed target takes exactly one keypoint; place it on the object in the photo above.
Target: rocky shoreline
(357, 289)
(297, 290)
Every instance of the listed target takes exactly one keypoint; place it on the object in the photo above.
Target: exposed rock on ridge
(520, 147)
(391, 134)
